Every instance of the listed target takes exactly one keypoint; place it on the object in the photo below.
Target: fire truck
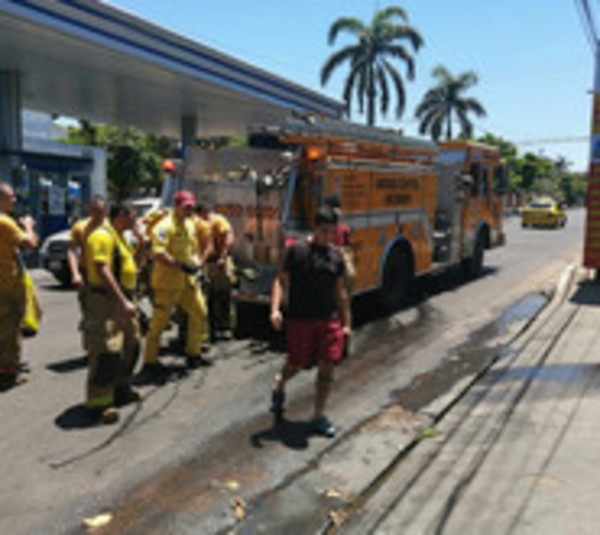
(414, 207)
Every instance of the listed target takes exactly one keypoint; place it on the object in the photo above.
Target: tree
(445, 102)
(134, 159)
(371, 59)
(507, 149)
(537, 175)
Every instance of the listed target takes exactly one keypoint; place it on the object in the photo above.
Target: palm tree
(371, 59)
(445, 101)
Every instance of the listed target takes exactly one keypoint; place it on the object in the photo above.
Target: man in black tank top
(318, 318)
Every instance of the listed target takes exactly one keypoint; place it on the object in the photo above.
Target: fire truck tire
(397, 279)
(473, 265)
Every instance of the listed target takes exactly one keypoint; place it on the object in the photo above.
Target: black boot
(277, 404)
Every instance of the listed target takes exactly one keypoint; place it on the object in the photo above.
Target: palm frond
(351, 25)
(361, 91)
(436, 129)
(466, 126)
(402, 32)
(474, 106)
(383, 86)
(355, 75)
(348, 89)
(335, 60)
(399, 86)
(388, 14)
(434, 98)
(467, 79)
(442, 74)
(428, 119)
(400, 52)
(432, 124)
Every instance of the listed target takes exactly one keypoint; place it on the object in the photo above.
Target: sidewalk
(519, 451)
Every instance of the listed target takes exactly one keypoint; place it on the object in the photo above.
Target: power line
(587, 20)
(566, 139)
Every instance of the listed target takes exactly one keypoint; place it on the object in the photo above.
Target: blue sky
(534, 64)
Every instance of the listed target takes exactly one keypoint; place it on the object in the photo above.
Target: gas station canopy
(86, 59)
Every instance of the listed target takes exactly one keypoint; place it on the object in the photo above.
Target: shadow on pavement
(56, 287)
(293, 435)
(69, 365)
(173, 372)
(588, 293)
(75, 417)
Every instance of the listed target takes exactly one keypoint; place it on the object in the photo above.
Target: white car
(53, 256)
(53, 252)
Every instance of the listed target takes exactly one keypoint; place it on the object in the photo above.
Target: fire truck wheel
(473, 265)
(397, 279)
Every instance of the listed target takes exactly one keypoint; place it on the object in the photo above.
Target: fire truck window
(485, 181)
(476, 175)
(452, 157)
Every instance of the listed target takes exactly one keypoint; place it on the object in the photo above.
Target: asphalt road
(176, 461)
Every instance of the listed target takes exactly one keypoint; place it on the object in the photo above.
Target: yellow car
(543, 213)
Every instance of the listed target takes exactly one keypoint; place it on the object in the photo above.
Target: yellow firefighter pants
(113, 343)
(81, 296)
(191, 301)
(12, 310)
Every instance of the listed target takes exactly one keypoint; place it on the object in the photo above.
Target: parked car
(544, 213)
(53, 256)
(53, 252)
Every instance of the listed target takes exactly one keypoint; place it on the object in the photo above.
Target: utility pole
(591, 256)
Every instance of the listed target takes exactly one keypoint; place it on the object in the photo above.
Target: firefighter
(219, 272)
(110, 316)
(175, 283)
(13, 237)
(144, 290)
(80, 231)
(205, 249)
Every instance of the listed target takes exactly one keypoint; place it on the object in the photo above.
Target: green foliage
(218, 142)
(507, 149)
(446, 103)
(536, 175)
(134, 159)
(377, 46)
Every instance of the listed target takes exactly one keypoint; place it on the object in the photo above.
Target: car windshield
(143, 207)
(543, 205)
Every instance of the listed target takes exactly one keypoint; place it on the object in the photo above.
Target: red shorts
(309, 341)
